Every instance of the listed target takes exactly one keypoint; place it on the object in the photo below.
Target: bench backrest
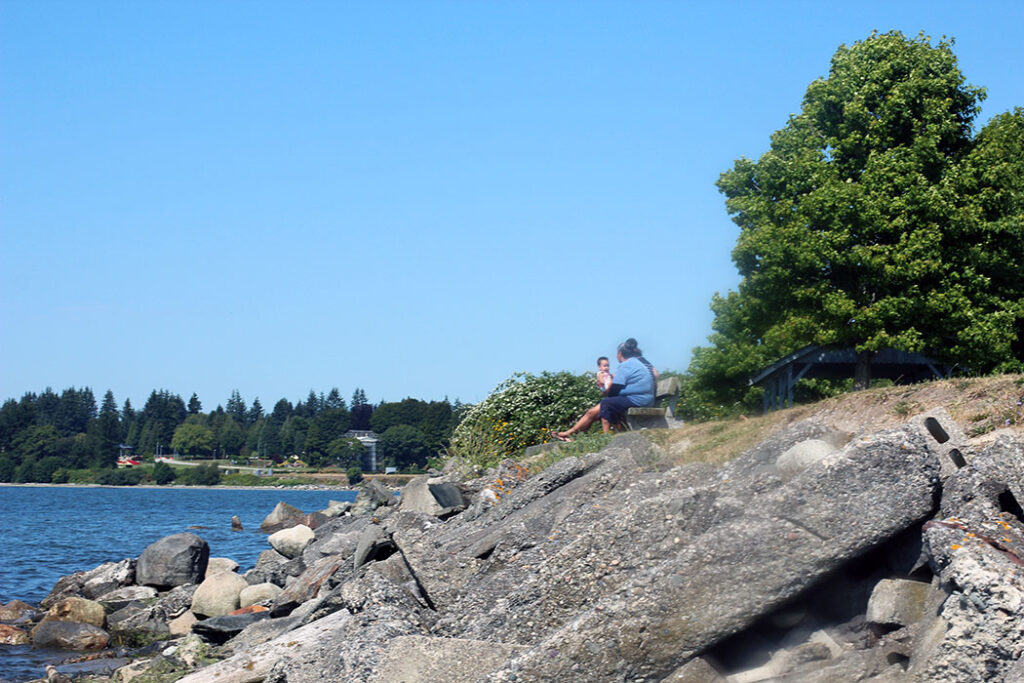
(668, 389)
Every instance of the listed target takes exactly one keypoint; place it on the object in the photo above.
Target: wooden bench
(656, 418)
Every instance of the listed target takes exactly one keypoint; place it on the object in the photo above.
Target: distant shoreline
(182, 487)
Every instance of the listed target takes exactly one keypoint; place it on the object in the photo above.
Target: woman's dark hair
(628, 349)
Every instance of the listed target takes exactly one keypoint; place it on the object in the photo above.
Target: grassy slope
(980, 407)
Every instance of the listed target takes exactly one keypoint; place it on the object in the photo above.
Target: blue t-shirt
(637, 381)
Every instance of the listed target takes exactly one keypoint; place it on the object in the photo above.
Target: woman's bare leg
(583, 424)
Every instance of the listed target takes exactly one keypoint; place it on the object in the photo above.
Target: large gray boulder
(338, 537)
(372, 495)
(79, 610)
(290, 542)
(107, 577)
(221, 564)
(68, 635)
(308, 584)
(284, 516)
(127, 594)
(258, 593)
(281, 517)
(680, 601)
(975, 550)
(273, 567)
(218, 594)
(173, 561)
(16, 611)
(433, 496)
(152, 618)
(222, 628)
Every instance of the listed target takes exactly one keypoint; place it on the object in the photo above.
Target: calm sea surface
(51, 531)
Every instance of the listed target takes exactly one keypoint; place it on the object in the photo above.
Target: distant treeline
(43, 433)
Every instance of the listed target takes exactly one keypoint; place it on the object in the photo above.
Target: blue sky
(415, 198)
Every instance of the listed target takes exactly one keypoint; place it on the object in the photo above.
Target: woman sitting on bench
(634, 385)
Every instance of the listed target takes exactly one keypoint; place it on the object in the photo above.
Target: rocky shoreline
(181, 487)
(816, 555)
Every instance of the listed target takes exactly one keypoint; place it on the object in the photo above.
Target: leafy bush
(521, 412)
(203, 475)
(354, 474)
(163, 473)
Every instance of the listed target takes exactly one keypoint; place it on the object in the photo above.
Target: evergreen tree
(76, 408)
(160, 416)
(108, 432)
(47, 405)
(129, 429)
(361, 411)
(194, 405)
(269, 446)
(334, 400)
(310, 408)
(282, 410)
(236, 408)
(293, 435)
(255, 413)
(16, 416)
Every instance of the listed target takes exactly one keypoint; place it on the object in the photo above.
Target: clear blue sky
(415, 198)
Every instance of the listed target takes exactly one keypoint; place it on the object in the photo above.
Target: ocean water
(51, 531)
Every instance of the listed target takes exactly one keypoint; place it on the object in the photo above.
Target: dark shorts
(614, 408)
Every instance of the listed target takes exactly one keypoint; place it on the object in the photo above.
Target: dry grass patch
(978, 405)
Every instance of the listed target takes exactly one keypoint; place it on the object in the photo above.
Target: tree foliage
(876, 219)
(193, 439)
(48, 433)
(346, 452)
(405, 447)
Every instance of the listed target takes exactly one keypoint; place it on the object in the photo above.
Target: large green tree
(192, 439)
(863, 224)
(404, 447)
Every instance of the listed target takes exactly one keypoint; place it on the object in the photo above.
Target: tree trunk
(862, 373)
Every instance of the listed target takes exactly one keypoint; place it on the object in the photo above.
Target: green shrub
(354, 474)
(521, 412)
(163, 473)
(203, 475)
